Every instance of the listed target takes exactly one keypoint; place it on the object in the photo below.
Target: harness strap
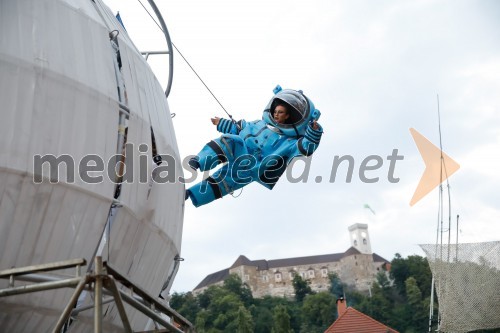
(218, 150)
(215, 188)
(224, 141)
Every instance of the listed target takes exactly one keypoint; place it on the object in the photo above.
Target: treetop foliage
(399, 300)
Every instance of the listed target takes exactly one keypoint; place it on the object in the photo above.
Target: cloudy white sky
(374, 70)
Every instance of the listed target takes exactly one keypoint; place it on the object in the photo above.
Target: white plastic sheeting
(59, 96)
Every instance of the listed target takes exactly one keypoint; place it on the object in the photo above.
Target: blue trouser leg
(210, 156)
(215, 187)
(223, 181)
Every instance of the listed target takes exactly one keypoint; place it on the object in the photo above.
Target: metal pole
(42, 268)
(147, 311)
(431, 307)
(148, 53)
(39, 287)
(98, 295)
(91, 306)
(67, 310)
(111, 285)
(456, 252)
(144, 298)
(169, 45)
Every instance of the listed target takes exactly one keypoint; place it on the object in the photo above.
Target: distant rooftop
(358, 225)
(353, 321)
(214, 278)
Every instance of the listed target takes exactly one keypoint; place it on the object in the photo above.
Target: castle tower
(360, 239)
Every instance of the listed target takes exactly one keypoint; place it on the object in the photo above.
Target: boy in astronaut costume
(258, 150)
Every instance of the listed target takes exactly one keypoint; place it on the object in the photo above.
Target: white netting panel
(467, 280)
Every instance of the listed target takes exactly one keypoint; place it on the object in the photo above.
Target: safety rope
(194, 71)
(201, 80)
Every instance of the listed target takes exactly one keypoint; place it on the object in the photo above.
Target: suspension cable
(191, 67)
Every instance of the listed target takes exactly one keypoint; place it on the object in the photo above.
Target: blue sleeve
(310, 141)
(226, 126)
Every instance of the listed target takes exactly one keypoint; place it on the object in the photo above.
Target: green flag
(367, 206)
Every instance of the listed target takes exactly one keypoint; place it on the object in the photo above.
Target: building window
(364, 241)
(246, 277)
(291, 274)
(303, 275)
(277, 277)
(265, 278)
(324, 272)
(311, 273)
(355, 243)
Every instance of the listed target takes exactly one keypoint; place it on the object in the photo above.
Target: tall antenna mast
(440, 227)
(456, 250)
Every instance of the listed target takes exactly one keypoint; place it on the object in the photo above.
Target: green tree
(414, 296)
(211, 293)
(401, 303)
(319, 311)
(186, 304)
(281, 320)
(263, 318)
(225, 310)
(301, 287)
(378, 306)
(400, 318)
(234, 284)
(416, 266)
(383, 281)
(264, 308)
(219, 310)
(413, 293)
(201, 321)
(244, 321)
(336, 285)
(354, 297)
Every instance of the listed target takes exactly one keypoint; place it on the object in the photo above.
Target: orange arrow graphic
(433, 158)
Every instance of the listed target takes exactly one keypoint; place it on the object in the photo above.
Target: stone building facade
(274, 277)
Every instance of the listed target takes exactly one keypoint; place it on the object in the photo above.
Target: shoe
(193, 163)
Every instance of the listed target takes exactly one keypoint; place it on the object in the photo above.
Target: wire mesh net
(467, 281)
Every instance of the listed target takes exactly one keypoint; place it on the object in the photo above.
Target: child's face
(280, 114)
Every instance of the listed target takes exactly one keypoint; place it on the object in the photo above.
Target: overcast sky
(374, 70)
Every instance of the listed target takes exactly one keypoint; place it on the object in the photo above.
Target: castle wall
(357, 270)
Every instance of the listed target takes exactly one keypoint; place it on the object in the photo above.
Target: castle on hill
(357, 267)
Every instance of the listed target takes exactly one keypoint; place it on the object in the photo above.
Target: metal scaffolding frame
(104, 280)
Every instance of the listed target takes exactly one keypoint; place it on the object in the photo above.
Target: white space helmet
(300, 108)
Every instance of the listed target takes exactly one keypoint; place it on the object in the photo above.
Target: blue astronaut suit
(257, 150)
